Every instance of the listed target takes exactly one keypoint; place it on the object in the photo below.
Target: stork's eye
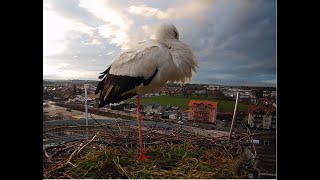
(175, 34)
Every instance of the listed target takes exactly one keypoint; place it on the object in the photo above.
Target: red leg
(141, 155)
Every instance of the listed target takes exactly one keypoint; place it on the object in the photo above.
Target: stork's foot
(143, 157)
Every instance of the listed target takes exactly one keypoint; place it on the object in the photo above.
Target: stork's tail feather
(101, 76)
(99, 86)
(104, 73)
(101, 83)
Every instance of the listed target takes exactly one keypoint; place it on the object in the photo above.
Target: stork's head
(166, 31)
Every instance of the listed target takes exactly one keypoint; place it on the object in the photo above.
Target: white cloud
(117, 26)
(61, 71)
(63, 65)
(96, 41)
(55, 28)
(184, 9)
(49, 70)
(148, 12)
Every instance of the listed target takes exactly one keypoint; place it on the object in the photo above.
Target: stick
(88, 142)
(250, 137)
(234, 117)
(46, 154)
(64, 174)
(228, 152)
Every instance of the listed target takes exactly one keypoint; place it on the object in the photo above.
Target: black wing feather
(113, 86)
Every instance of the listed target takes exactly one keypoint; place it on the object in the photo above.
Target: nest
(173, 155)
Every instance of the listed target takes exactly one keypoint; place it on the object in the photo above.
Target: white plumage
(173, 59)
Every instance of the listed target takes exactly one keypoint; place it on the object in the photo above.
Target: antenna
(234, 117)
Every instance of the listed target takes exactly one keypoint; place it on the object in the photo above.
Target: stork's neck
(168, 42)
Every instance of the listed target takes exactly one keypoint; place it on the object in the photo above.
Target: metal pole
(234, 117)
(86, 107)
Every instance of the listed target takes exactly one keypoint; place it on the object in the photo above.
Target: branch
(88, 142)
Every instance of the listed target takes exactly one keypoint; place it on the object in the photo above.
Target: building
(266, 151)
(173, 116)
(205, 111)
(152, 108)
(262, 116)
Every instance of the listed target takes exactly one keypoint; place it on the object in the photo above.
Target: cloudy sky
(234, 41)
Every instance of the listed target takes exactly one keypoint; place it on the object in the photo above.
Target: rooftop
(206, 103)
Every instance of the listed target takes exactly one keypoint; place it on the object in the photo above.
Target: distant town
(180, 103)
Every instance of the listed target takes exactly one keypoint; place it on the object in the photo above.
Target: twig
(156, 142)
(102, 125)
(88, 142)
(72, 164)
(228, 151)
(250, 137)
(74, 152)
(65, 175)
(119, 127)
(62, 165)
(48, 157)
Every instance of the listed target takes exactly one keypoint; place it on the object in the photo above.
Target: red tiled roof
(267, 109)
(206, 103)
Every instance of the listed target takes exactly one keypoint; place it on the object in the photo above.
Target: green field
(227, 106)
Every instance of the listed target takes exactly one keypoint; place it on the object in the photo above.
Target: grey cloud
(242, 43)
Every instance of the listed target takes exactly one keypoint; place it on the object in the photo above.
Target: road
(54, 111)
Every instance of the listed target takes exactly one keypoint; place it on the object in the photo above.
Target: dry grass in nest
(168, 161)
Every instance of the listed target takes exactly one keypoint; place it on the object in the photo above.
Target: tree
(218, 94)
(258, 93)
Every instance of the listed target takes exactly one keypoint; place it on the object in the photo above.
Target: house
(262, 116)
(67, 96)
(266, 150)
(152, 108)
(205, 111)
(165, 115)
(131, 107)
(173, 116)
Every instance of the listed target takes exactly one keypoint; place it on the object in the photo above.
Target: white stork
(146, 68)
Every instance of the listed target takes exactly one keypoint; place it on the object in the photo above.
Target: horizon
(213, 84)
